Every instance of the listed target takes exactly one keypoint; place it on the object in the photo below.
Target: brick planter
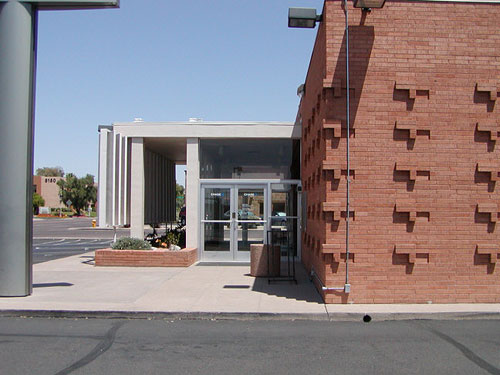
(146, 258)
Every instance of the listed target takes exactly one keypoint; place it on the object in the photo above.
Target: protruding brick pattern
(335, 168)
(491, 127)
(489, 208)
(490, 87)
(338, 86)
(334, 208)
(492, 168)
(414, 168)
(411, 87)
(413, 210)
(413, 128)
(412, 250)
(425, 118)
(335, 126)
(492, 250)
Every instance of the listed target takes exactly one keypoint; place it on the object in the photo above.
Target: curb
(244, 316)
(158, 315)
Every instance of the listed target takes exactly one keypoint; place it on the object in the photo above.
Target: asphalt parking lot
(55, 248)
(55, 238)
(72, 228)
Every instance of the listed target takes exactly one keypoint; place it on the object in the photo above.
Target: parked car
(278, 218)
(242, 215)
(182, 216)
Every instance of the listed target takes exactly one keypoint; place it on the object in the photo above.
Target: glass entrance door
(216, 224)
(250, 222)
(233, 219)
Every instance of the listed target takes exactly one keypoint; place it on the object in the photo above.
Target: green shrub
(129, 243)
(172, 238)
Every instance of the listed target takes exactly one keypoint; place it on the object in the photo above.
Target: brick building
(424, 160)
(49, 190)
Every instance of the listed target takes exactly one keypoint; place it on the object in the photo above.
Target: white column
(102, 178)
(122, 181)
(126, 178)
(192, 193)
(137, 188)
(114, 163)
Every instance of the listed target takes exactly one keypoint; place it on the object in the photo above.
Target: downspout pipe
(346, 10)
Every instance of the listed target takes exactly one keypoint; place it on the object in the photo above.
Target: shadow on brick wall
(484, 98)
(484, 260)
(361, 40)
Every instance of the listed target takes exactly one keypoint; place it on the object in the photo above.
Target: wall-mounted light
(301, 90)
(303, 17)
(368, 4)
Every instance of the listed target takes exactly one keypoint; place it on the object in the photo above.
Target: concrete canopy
(69, 4)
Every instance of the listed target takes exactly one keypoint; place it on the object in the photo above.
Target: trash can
(259, 265)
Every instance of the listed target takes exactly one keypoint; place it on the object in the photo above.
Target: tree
(38, 202)
(180, 198)
(80, 191)
(50, 172)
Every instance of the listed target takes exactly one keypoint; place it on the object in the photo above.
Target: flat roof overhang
(208, 129)
(169, 139)
(172, 148)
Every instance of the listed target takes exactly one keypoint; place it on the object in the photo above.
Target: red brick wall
(425, 79)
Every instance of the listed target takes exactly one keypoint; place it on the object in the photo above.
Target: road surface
(107, 346)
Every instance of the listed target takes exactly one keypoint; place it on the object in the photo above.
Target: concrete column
(137, 188)
(102, 185)
(125, 178)
(17, 70)
(192, 193)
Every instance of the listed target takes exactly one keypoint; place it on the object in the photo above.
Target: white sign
(44, 210)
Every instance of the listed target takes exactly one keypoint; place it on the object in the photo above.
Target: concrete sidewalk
(73, 286)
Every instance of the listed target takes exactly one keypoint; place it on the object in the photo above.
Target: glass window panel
(248, 234)
(250, 158)
(217, 237)
(250, 204)
(217, 203)
(283, 200)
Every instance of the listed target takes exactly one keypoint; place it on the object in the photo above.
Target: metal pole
(17, 70)
(346, 10)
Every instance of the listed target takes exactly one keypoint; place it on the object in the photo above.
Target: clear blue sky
(228, 60)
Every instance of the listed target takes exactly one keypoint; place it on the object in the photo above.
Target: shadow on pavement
(303, 290)
(50, 285)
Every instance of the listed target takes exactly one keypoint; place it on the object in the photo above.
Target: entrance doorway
(233, 219)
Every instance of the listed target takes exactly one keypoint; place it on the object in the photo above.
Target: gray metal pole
(17, 69)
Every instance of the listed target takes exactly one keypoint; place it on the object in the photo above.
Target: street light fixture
(367, 5)
(305, 18)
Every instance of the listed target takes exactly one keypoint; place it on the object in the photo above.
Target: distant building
(49, 190)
